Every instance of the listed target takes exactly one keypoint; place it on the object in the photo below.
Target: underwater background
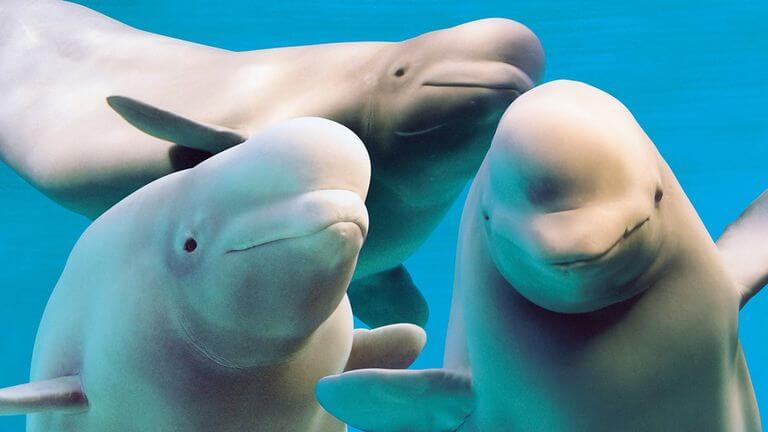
(694, 73)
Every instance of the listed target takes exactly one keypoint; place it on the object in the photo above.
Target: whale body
(425, 109)
(617, 310)
(214, 298)
(588, 294)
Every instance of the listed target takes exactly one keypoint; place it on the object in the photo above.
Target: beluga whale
(425, 108)
(588, 295)
(213, 299)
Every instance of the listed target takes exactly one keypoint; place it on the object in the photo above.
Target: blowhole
(190, 245)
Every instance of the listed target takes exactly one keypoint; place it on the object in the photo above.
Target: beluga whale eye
(659, 195)
(190, 245)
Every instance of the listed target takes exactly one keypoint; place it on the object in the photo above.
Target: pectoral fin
(174, 128)
(388, 297)
(391, 347)
(64, 394)
(378, 400)
(744, 248)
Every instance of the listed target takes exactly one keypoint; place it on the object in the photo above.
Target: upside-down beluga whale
(425, 108)
(589, 295)
(214, 298)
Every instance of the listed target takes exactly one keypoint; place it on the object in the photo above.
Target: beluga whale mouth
(462, 90)
(322, 210)
(474, 85)
(598, 258)
(419, 132)
(359, 224)
(481, 75)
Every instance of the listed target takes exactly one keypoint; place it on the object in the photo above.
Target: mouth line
(598, 257)
(459, 84)
(363, 231)
(419, 132)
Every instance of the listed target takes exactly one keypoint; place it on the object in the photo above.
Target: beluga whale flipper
(588, 294)
(425, 108)
(744, 248)
(432, 400)
(214, 298)
(63, 394)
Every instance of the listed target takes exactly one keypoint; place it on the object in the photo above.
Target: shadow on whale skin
(588, 294)
(425, 109)
(214, 298)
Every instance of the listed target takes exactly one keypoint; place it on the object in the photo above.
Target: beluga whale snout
(493, 54)
(488, 75)
(325, 184)
(464, 75)
(323, 209)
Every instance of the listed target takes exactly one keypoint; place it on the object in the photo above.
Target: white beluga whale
(588, 294)
(425, 108)
(214, 298)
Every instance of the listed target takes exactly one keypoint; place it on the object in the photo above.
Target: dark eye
(485, 215)
(190, 245)
(400, 72)
(659, 195)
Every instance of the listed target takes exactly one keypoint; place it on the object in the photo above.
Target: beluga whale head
(571, 204)
(257, 245)
(440, 95)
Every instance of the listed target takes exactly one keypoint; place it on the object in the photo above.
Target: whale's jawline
(595, 258)
(419, 132)
(278, 240)
(459, 84)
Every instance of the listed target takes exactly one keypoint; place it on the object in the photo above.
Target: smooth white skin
(570, 200)
(654, 345)
(425, 107)
(230, 335)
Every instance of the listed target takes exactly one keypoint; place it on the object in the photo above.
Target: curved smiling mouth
(596, 258)
(503, 87)
(419, 132)
(358, 223)
(495, 76)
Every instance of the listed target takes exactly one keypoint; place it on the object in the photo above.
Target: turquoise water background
(693, 73)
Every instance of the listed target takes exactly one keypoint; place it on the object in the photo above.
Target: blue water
(693, 73)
